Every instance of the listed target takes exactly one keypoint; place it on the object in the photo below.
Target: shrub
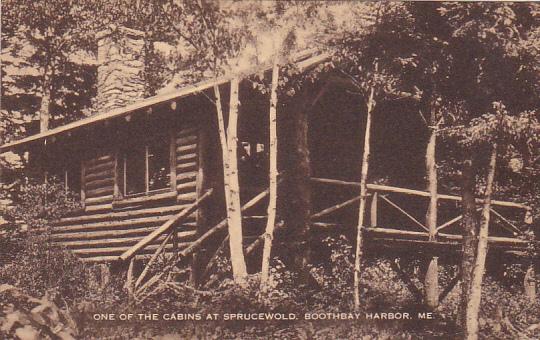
(37, 204)
(26, 317)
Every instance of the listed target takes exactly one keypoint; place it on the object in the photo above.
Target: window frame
(120, 190)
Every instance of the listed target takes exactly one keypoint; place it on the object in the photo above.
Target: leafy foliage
(43, 321)
(38, 204)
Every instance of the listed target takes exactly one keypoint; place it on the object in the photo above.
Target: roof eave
(146, 103)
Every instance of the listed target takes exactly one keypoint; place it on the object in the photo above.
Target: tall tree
(215, 41)
(273, 174)
(500, 68)
(371, 55)
(52, 41)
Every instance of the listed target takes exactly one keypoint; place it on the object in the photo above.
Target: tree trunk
(475, 296)
(45, 106)
(231, 183)
(431, 282)
(469, 226)
(273, 174)
(295, 193)
(363, 198)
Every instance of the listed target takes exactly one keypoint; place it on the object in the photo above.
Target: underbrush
(47, 292)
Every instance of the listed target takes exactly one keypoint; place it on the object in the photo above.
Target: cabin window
(146, 166)
(72, 178)
(69, 175)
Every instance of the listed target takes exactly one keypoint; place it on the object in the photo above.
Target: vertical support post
(172, 160)
(373, 210)
(83, 183)
(363, 194)
(105, 274)
(528, 216)
(129, 279)
(202, 184)
(147, 170)
(431, 282)
(116, 193)
(529, 283)
(174, 239)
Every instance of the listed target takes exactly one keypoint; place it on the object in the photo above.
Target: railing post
(373, 210)
(528, 216)
(431, 282)
(529, 284)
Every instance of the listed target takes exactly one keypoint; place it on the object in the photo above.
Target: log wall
(108, 226)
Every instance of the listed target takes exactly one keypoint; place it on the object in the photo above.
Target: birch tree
(231, 163)
(215, 42)
(273, 174)
(371, 55)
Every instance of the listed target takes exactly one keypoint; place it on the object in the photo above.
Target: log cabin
(142, 165)
(137, 162)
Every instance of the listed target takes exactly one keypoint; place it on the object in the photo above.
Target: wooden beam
(165, 227)
(449, 223)
(196, 244)
(373, 210)
(425, 236)
(129, 279)
(404, 213)
(335, 207)
(386, 188)
(514, 230)
(153, 259)
(214, 258)
(77, 220)
(89, 238)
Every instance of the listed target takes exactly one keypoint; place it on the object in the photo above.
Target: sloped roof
(303, 60)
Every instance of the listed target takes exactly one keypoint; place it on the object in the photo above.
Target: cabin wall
(98, 179)
(111, 224)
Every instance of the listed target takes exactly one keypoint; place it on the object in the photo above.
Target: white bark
(363, 196)
(475, 293)
(431, 282)
(229, 143)
(273, 174)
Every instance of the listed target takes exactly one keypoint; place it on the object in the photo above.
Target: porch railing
(384, 194)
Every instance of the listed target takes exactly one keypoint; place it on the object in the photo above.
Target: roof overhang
(303, 61)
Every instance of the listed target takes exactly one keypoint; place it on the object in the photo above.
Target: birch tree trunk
(45, 105)
(272, 175)
(363, 197)
(475, 295)
(431, 282)
(232, 188)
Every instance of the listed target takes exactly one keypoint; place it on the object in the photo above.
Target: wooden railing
(166, 227)
(381, 194)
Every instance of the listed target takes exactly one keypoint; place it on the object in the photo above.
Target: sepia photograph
(269, 169)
